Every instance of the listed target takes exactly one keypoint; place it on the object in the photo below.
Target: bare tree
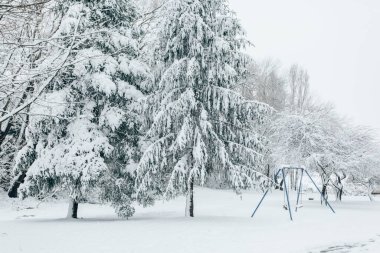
(299, 88)
(20, 22)
(265, 84)
(30, 58)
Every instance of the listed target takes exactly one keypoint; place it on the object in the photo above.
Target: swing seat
(285, 207)
(299, 206)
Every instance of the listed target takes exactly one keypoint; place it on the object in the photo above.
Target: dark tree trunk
(73, 209)
(282, 185)
(190, 200)
(276, 183)
(279, 185)
(339, 194)
(339, 189)
(12, 193)
(339, 186)
(268, 182)
(324, 193)
(4, 134)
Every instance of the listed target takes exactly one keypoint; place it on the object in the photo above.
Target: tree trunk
(339, 189)
(296, 180)
(370, 190)
(324, 193)
(73, 209)
(12, 193)
(340, 193)
(190, 200)
(268, 182)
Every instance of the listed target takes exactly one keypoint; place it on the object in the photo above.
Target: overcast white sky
(336, 40)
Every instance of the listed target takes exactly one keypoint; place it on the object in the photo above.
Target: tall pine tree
(198, 126)
(83, 134)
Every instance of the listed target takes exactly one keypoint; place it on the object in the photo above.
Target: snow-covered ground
(222, 224)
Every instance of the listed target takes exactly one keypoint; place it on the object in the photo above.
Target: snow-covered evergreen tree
(198, 126)
(83, 133)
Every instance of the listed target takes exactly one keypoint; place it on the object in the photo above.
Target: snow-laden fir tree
(83, 134)
(198, 126)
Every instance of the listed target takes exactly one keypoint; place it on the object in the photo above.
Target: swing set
(284, 172)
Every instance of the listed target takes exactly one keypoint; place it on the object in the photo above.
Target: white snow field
(222, 224)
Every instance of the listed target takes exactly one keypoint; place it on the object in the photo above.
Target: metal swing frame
(303, 171)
